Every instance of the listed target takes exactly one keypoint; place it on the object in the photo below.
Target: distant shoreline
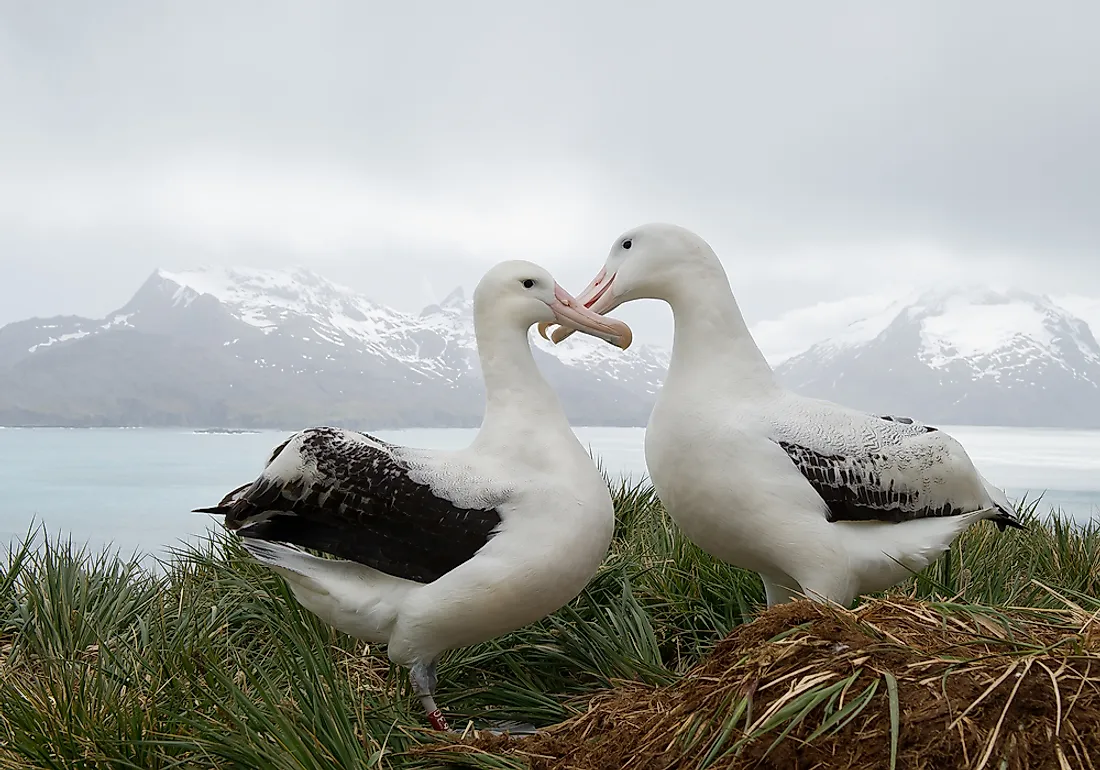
(277, 428)
(390, 428)
(350, 424)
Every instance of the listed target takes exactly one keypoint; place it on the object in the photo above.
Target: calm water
(135, 488)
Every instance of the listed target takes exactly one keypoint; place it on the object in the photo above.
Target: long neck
(522, 412)
(711, 342)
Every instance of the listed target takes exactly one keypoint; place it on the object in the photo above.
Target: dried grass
(895, 683)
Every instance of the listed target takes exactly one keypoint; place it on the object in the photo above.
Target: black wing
(347, 494)
(887, 468)
(854, 489)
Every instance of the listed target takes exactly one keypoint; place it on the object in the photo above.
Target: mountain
(247, 348)
(287, 348)
(972, 356)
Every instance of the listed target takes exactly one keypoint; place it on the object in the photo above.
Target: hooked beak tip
(560, 334)
(542, 331)
(626, 339)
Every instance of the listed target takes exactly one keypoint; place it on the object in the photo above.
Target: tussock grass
(894, 683)
(209, 662)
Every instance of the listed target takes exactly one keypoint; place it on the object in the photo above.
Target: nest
(891, 684)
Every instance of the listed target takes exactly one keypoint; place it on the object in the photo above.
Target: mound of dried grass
(893, 683)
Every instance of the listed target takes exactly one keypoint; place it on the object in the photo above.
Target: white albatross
(443, 549)
(819, 499)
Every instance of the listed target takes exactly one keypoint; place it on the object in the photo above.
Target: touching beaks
(597, 298)
(572, 315)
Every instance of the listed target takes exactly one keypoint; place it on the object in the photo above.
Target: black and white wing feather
(886, 468)
(356, 497)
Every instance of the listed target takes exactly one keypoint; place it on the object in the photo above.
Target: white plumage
(818, 498)
(439, 550)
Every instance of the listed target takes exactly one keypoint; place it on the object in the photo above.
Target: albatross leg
(423, 680)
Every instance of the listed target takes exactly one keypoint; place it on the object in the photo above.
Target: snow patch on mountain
(963, 330)
(439, 342)
(975, 354)
(863, 330)
(986, 327)
(955, 324)
(837, 323)
(266, 298)
(454, 316)
(61, 338)
(119, 319)
(1085, 308)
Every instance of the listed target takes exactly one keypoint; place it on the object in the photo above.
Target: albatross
(819, 499)
(436, 550)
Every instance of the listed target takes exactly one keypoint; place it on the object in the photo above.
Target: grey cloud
(825, 150)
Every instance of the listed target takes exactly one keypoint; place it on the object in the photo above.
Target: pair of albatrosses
(439, 550)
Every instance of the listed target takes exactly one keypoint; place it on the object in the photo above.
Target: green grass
(209, 662)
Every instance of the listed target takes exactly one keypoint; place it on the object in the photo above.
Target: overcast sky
(826, 150)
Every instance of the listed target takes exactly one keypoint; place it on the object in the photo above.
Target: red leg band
(437, 720)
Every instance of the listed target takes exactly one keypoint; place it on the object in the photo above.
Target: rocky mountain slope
(265, 348)
(246, 348)
(974, 356)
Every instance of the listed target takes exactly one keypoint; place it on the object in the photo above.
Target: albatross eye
(528, 283)
(627, 243)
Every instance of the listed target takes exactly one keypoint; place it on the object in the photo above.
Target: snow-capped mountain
(974, 356)
(248, 347)
(642, 367)
(259, 348)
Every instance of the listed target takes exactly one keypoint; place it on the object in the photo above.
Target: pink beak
(596, 299)
(572, 315)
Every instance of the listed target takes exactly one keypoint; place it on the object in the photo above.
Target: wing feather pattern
(356, 497)
(889, 469)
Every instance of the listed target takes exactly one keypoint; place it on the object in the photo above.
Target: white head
(647, 262)
(522, 294)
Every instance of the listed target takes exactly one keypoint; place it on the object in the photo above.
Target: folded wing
(887, 469)
(356, 497)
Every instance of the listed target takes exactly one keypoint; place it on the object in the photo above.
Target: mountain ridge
(254, 348)
(272, 348)
(973, 356)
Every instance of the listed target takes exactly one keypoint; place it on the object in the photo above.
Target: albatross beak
(597, 299)
(571, 315)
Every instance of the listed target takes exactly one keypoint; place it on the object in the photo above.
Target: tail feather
(305, 570)
(1006, 514)
(226, 505)
(1005, 519)
(275, 554)
(247, 504)
(355, 599)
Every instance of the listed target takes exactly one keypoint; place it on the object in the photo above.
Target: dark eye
(627, 244)
(528, 283)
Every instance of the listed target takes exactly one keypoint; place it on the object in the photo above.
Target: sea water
(134, 488)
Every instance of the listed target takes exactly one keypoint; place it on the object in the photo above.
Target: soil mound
(894, 683)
